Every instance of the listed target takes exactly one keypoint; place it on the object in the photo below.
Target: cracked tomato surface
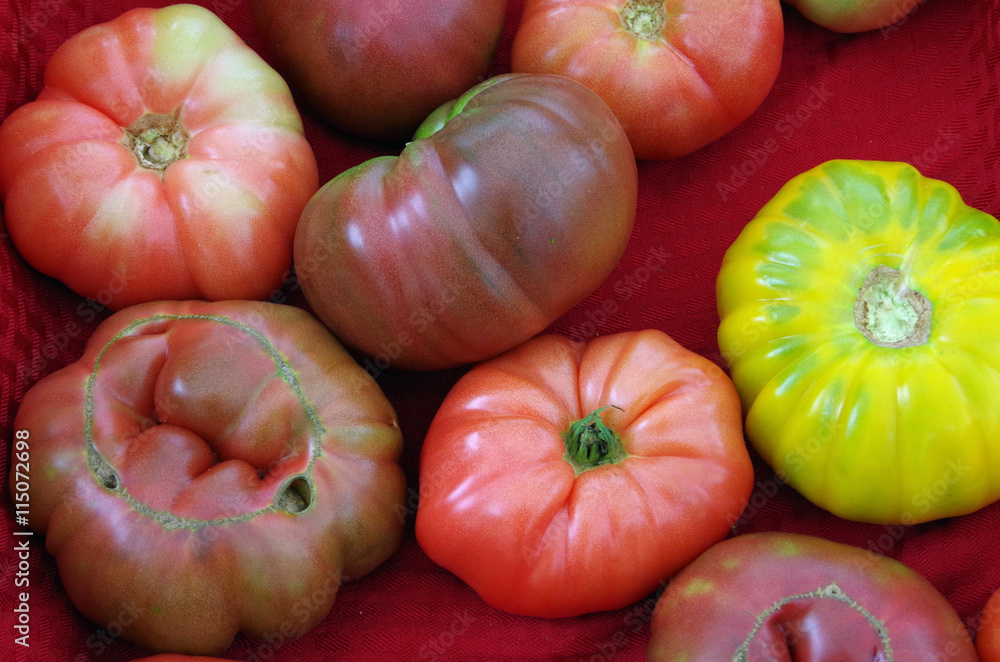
(163, 159)
(215, 467)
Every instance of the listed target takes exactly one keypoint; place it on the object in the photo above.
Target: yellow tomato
(859, 317)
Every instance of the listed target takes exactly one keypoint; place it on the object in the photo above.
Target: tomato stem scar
(156, 141)
(644, 19)
(890, 314)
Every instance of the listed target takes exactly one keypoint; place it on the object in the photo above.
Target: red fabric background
(923, 91)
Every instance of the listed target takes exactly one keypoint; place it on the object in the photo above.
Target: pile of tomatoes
(222, 463)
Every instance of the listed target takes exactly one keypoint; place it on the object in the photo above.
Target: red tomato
(509, 207)
(784, 596)
(376, 68)
(563, 477)
(211, 467)
(163, 159)
(855, 16)
(677, 74)
(988, 634)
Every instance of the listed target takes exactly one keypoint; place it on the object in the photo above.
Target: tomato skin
(988, 634)
(213, 467)
(502, 509)
(377, 68)
(708, 68)
(832, 597)
(506, 211)
(216, 223)
(871, 430)
(855, 15)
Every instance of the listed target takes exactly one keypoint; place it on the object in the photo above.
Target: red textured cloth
(923, 91)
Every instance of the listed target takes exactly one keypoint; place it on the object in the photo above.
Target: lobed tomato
(163, 160)
(677, 74)
(218, 467)
(856, 311)
(508, 208)
(564, 477)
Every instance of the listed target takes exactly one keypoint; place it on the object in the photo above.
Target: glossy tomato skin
(761, 597)
(855, 15)
(706, 67)
(377, 68)
(217, 467)
(502, 508)
(509, 208)
(870, 416)
(214, 220)
(988, 633)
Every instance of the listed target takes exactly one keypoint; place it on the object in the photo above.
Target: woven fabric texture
(926, 91)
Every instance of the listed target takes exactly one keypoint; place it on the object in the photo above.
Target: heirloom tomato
(163, 159)
(565, 477)
(677, 74)
(783, 596)
(859, 313)
(376, 68)
(510, 206)
(855, 15)
(988, 634)
(215, 466)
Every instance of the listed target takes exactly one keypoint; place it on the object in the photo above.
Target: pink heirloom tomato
(677, 74)
(162, 160)
(377, 68)
(509, 207)
(563, 477)
(218, 467)
(766, 597)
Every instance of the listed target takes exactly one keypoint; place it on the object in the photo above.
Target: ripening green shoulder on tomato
(164, 159)
(787, 596)
(858, 316)
(855, 15)
(509, 206)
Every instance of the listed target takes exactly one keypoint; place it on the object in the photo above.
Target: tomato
(173, 657)
(214, 467)
(988, 634)
(859, 317)
(677, 74)
(564, 477)
(508, 208)
(855, 15)
(785, 596)
(163, 159)
(376, 68)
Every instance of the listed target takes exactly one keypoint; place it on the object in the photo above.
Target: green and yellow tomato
(858, 315)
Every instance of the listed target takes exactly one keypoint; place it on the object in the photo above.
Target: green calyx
(590, 443)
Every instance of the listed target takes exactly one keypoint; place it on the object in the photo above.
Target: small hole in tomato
(110, 480)
(296, 496)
